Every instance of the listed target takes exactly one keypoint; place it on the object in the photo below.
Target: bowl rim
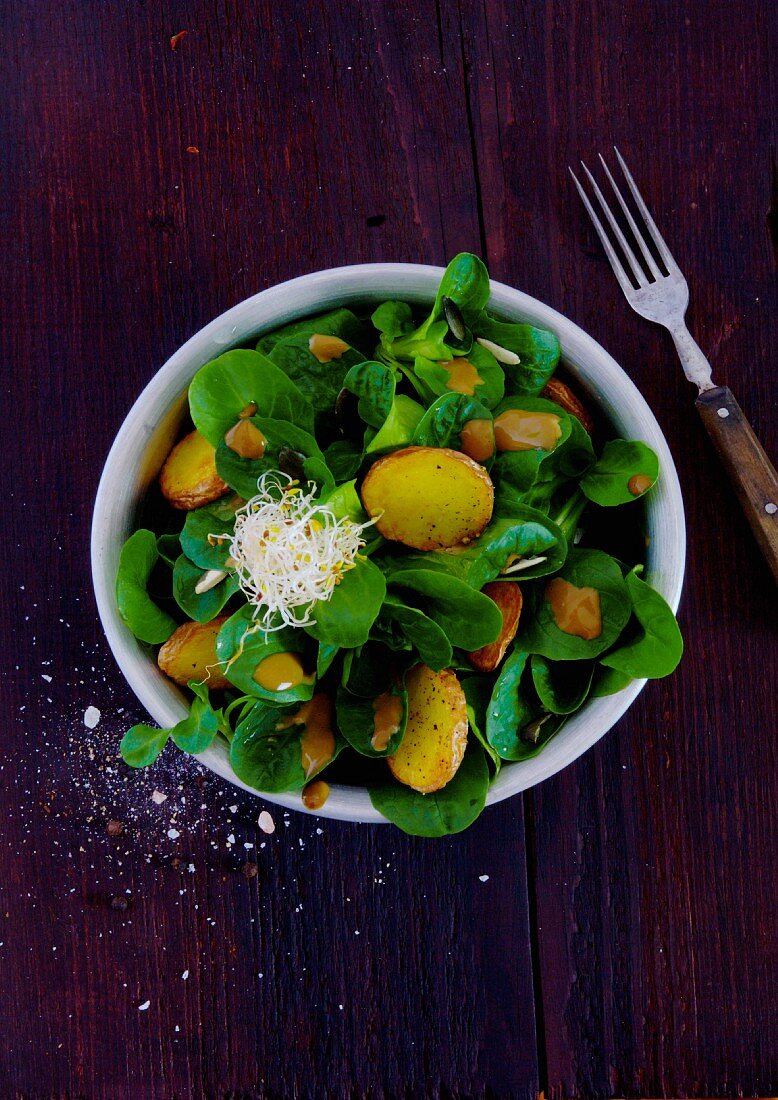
(595, 370)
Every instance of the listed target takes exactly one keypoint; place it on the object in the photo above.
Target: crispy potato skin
(190, 654)
(189, 479)
(429, 498)
(436, 735)
(507, 595)
(562, 395)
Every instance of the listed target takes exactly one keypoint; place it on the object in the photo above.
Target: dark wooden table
(624, 943)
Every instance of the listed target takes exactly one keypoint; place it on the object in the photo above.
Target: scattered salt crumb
(185, 975)
(266, 823)
(46, 678)
(247, 845)
(176, 1028)
(144, 1006)
(191, 868)
(91, 717)
(158, 797)
(231, 838)
(173, 834)
(483, 878)
(233, 809)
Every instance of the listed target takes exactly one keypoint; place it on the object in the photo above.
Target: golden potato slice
(507, 596)
(189, 479)
(429, 498)
(436, 733)
(190, 654)
(561, 394)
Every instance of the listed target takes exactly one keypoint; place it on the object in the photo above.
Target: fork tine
(656, 236)
(632, 260)
(610, 251)
(649, 259)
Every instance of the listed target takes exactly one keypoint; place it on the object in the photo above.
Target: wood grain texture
(352, 964)
(624, 943)
(654, 856)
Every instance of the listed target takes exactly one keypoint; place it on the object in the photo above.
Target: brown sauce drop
(245, 439)
(387, 718)
(315, 794)
(575, 610)
(521, 430)
(326, 348)
(248, 410)
(477, 438)
(317, 743)
(280, 672)
(638, 484)
(462, 376)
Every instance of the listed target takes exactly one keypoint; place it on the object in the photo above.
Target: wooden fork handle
(752, 474)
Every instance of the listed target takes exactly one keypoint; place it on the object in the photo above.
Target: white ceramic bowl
(152, 424)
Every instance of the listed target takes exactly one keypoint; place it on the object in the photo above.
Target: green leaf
(243, 646)
(509, 710)
(469, 619)
(204, 606)
(343, 459)
(141, 745)
(338, 322)
(196, 732)
(658, 646)
(225, 387)
(446, 811)
(562, 686)
(374, 385)
(538, 351)
(442, 423)
(320, 383)
(356, 720)
(138, 611)
(324, 658)
(607, 482)
(399, 426)
(267, 750)
(506, 542)
(608, 681)
(521, 469)
(202, 523)
(427, 638)
(477, 691)
(489, 391)
(392, 319)
(538, 630)
(344, 502)
(242, 474)
(168, 548)
(345, 619)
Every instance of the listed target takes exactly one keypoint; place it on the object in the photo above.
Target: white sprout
(290, 551)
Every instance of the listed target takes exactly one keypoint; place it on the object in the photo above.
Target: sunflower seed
(502, 355)
(454, 318)
(292, 463)
(209, 580)
(522, 563)
(531, 732)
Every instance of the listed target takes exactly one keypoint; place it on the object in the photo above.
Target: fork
(663, 298)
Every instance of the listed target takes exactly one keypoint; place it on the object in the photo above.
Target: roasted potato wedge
(429, 498)
(561, 394)
(436, 733)
(189, 479)
(507, 596)
(190, 654)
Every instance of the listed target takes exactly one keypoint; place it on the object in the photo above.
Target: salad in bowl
(392, 550)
